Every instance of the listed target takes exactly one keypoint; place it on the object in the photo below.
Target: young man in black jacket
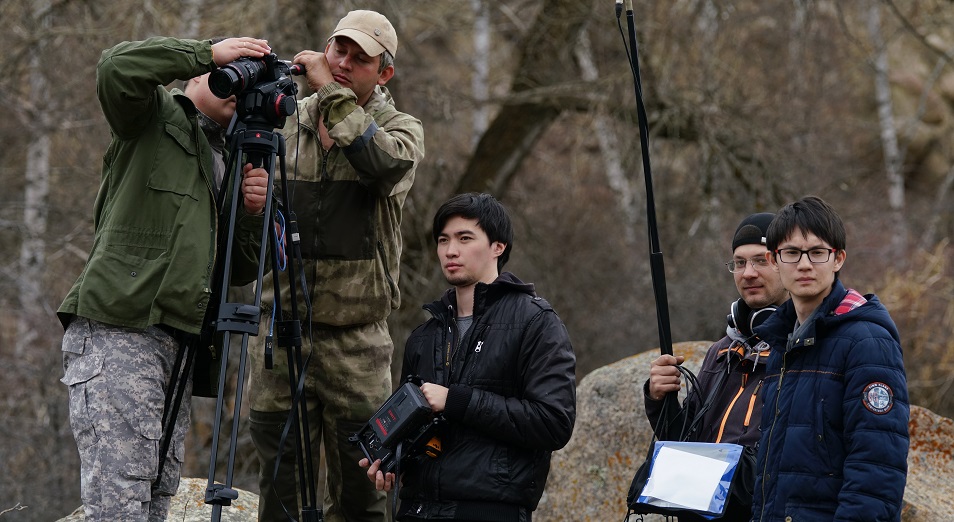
(497, 362)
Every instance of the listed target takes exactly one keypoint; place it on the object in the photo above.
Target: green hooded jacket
(155, 216)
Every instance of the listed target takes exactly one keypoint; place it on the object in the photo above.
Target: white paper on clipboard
(684, 479)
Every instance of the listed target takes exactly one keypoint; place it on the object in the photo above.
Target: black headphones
(744, 319)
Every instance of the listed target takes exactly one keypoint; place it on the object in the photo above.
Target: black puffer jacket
(512, 401)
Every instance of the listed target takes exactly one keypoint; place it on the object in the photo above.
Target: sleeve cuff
(328, 89)
(249, 222)
(646, 392)
(458, 398)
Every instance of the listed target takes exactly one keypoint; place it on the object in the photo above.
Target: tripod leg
(270, 402)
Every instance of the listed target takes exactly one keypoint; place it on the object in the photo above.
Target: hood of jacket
(776, 329)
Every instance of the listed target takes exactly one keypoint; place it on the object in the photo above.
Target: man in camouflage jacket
(356, 158)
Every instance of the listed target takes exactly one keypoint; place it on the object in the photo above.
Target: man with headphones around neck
(735, 408)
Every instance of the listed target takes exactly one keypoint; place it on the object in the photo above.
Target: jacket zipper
(451, 338)
(728, 411)
(748, 414)
(215, 233)
(477, 349)
(768, 446)
(322, 176)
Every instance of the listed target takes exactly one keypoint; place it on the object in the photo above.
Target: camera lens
(235, 77)
(223, 81)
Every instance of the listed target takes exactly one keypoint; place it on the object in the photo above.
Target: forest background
(751, 104)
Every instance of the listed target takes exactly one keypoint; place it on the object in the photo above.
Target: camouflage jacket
(348, 203)
(155, 217)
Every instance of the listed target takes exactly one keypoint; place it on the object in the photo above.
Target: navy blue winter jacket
(834, 427)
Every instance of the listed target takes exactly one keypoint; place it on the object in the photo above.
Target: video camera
(263, 89)
(402, 428)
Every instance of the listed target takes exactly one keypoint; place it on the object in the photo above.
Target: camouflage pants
(117, 380)
(348, 377)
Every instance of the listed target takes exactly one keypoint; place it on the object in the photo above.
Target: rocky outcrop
(590, 477)
(929, 494)
(189, 505)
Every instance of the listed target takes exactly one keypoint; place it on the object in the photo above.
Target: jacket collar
(777, 329)
(485, 295)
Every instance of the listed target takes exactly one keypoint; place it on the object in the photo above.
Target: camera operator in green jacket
(143, 294)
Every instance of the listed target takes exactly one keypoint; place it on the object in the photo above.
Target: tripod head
(264, 91)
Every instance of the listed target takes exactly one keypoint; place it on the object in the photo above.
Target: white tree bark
(609, 146)
(889, 135)
(32, 264)
(190, 18)
(480, 79)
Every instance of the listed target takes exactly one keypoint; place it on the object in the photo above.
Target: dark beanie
(752, 230)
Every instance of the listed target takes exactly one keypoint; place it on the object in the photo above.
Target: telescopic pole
(656, 266)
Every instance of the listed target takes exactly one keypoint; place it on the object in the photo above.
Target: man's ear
(191, 82)
(770, 257)
(498, 248)
(386, 75)
(840, 257)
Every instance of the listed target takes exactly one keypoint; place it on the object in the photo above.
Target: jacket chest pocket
(827, 424)
(177, 165)
(474, 356)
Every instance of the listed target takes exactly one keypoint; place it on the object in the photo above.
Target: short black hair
(810, 215)
(491, 216)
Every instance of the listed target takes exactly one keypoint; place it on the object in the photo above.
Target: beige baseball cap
(371, 30)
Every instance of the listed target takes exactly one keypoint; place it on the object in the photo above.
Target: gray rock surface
(189, 505)
(590, 477)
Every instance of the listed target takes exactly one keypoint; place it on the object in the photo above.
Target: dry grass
(921, 301)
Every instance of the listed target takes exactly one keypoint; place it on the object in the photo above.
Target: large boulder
(189, 505)
(929, 494)
(590, 477)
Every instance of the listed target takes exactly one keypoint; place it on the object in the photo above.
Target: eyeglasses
(815, 255)
(738, 265)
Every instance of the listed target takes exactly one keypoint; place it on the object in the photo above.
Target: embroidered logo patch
(878, 398)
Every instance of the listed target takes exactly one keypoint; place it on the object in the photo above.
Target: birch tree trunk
(481, 73)
(190, 18)
(32, 264)
(609, 147)
(889, 135)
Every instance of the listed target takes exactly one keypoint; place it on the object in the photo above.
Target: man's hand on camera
(436, 396)
(382, 481)
(254, 189)
(664, 376)
(232, 49)
(317, 71)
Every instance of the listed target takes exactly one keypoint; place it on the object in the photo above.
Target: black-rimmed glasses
(815, 255)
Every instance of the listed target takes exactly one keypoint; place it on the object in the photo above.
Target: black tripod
(260, 110)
